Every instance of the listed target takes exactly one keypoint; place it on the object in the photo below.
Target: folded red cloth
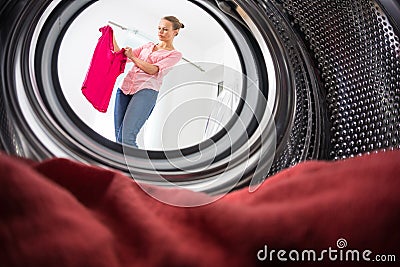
(63, 213)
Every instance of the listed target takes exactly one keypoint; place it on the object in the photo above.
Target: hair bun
(175, 22)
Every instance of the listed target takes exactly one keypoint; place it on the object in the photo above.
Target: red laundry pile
(105, 67)
(63, 213)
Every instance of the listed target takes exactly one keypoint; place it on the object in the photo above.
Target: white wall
(185, 101)
(202, 41)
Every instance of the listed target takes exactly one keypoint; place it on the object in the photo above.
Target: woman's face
(166, 31)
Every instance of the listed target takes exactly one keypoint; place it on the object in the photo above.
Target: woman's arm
(143, 65)
(116, 47)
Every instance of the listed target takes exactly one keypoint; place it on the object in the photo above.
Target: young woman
(137, 96)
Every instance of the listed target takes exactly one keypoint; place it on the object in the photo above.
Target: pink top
(137, 79)
(105, 66)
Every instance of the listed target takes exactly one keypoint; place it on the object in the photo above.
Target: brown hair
(176, 24)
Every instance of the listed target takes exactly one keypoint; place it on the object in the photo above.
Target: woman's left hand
(143, 65)
(128, 52)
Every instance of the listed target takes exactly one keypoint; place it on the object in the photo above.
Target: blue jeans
(130, 114)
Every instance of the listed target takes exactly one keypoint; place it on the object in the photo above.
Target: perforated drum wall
(358, 54)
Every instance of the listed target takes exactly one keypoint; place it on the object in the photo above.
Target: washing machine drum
(319, 80)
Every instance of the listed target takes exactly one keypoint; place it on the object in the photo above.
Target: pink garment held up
(105, 67)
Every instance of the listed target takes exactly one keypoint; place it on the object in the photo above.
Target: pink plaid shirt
(137, 79)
